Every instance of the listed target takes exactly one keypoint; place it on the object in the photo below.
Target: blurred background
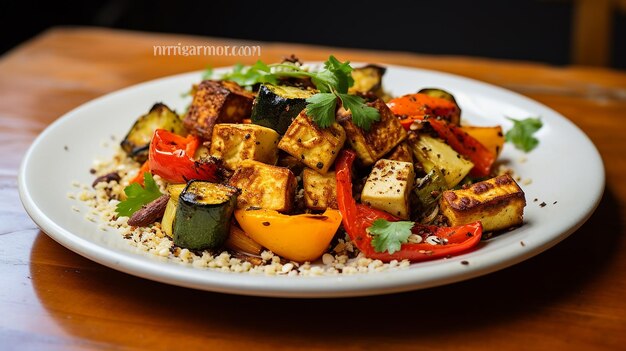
(559, 32)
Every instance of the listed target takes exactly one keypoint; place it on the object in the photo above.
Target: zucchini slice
(438, 93)
(203, 215)
(137, 141)
(276, 106)
(368, 79)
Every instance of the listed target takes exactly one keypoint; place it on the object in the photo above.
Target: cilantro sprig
(333, 82)
(138, 196)
(521, 135)
(389, 236)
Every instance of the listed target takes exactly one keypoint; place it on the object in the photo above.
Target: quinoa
(102, 199)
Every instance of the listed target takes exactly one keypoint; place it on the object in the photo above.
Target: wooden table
(570, 297)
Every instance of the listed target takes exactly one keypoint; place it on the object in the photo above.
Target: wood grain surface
(572, 297)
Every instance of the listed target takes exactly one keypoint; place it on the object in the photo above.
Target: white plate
(564, 159)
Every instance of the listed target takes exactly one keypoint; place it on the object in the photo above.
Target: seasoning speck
(465, 263)
(266, 224)
(522, 243)
(543, 204)
(554, 203)
(66, 148)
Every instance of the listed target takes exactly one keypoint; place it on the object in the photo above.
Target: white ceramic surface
(66, 149)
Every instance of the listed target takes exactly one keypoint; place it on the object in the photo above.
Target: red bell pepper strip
(409, 107)
(171, 157)
(357, 218)
(145, 167)
(466, 145)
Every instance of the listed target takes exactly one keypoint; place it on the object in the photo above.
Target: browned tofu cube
(382, 137)
(264, 186)
(402, 153)
(497, 202)
(217, 102)
(320, 190)
(234, 143)
(314, 146)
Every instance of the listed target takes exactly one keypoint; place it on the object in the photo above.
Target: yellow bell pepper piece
(491, 137)
(298, 238)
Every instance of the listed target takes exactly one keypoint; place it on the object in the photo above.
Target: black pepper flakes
(267, 224)
(465, 263)
(543, 204)
(320, 165)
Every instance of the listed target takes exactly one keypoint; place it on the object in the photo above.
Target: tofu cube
(217, 102)
(264, 186)
(497, 202)
(314, 146)
(382, 137)
(320, 190)
(402, 152)
(388, 187)
(234, 143)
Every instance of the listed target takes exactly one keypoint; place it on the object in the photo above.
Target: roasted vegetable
(388, 187)
(416, 106)
(239, 241)
(217, 102)
(167, 222)
(137, 141)
(368, 79)
(498, 203)
(439, 93)
(491, 137)
(277, 106)
(429, 190)
(171, 157)
(465, 145)
(264, 186)
(382, 137)
(434, 153)
(203, 215)
(300, 238)
(315, 147)
(234, 143)
(320, 190)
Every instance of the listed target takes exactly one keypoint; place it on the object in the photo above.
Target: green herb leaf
(138, 196)
(335, 79)
(362, 115)
(521, 135)
(248, 76)
(208, 73)
(389, 236)
(321, 107)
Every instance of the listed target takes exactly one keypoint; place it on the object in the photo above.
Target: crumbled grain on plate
(328, 259)
(527, 181)
(103, 199)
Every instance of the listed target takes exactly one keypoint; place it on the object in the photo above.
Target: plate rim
(281, 286)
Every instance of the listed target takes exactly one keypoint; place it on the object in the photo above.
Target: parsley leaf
(248, 76)
(321, 107)
(138, 196)
(208, 73)
(521, 135)
(362, 115)
(389, 236)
